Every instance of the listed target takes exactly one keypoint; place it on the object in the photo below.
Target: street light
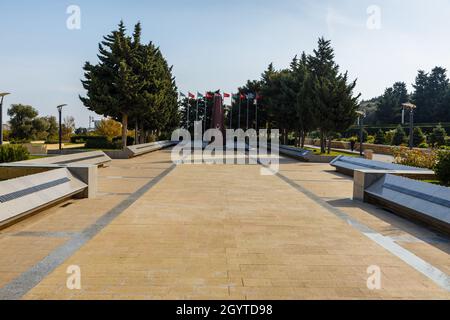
(411, 107)
(361, 116)
(60, 125)
(2, 95)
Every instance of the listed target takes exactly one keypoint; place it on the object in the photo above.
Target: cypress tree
(333, 101)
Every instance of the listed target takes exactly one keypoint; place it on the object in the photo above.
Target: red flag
(209, 96)
(258, 97)
(192, 96)
(226, 95)
(242, 96)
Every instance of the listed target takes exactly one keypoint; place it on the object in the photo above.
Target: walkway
(220, 232)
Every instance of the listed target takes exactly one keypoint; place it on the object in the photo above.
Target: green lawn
(333, 153)
(36, 157)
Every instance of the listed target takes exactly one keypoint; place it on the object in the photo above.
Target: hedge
(101, 142)
(442, 168)
(13, 153)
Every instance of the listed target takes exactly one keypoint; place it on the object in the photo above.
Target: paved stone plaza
(159, 231)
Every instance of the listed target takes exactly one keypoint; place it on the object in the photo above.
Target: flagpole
(256, 125)
(188, 113)
(206, 109)
(231, 114)
(240, 103)
(196, 117)
(248, 106)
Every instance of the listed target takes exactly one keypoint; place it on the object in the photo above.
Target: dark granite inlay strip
(26, 192)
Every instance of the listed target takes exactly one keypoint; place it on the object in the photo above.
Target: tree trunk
(136, 133)
(303, 139)
(124, 130)
(322, 142)
(142, 135)
(329, 145)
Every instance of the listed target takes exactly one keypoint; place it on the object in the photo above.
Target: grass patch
(333, 153)
(36, 157)
(436, 182)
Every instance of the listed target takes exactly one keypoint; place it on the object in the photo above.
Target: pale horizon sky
(216, 44)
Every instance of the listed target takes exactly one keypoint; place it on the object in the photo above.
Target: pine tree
(380, 137)
(389, 107)
(132, 83)
(332, 98)
(418, 137)
(399, 136)
(437, 137)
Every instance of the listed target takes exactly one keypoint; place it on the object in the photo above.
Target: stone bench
(348, 165)
(31, 192)
(304, 155)
(98, 158)
(415, 200)
(139, 149)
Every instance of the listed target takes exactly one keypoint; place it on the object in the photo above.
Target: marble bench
(98, 158)
(413, 199)
(27, 194)
(348, 165)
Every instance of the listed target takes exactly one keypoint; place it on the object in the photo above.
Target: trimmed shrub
(399, 136)
(442, 167)
(418, 137)
(437, 137)
(98, 142)
(380, 137)
(79, 138)
(415, 158)
(118, 141)
(13, 153)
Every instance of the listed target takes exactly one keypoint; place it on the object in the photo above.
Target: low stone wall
(376, 148)
(36, 148)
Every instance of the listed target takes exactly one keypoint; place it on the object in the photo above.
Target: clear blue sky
(216, 43)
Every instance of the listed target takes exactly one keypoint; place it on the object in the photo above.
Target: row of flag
(248, 96)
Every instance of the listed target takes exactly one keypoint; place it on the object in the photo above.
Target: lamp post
(60, 125)
(411, 107)
(2, 95)
(361, 116)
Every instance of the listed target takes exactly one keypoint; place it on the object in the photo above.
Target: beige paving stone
(226, 232)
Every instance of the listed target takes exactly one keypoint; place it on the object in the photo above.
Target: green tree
(21, 120)
(431, 96)
(112, 85)
(418, 137)
(437, 137)
(40, 128)
(390, 104)
(399, 136)
(442, 167)
(333, 101)
(380, 137)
